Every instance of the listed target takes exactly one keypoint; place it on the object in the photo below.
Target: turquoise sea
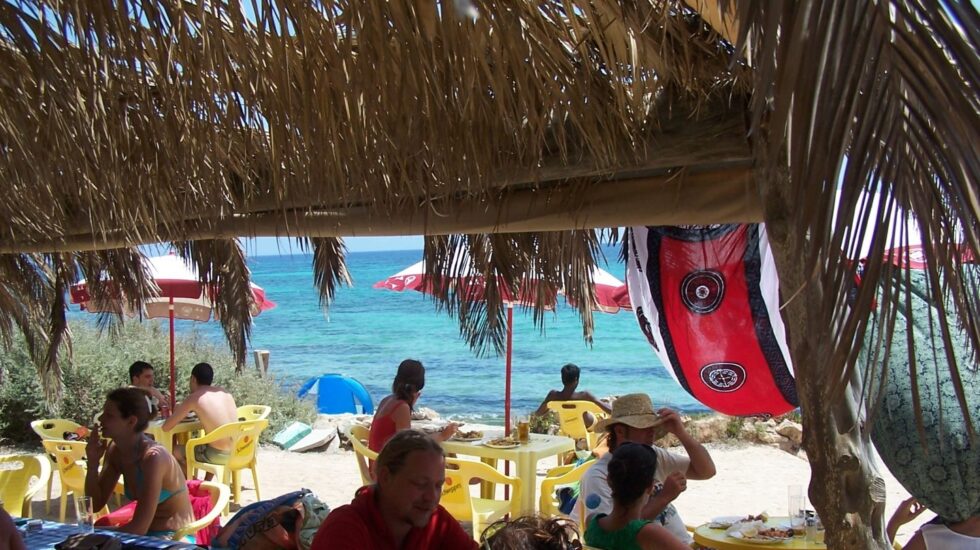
(367, 332)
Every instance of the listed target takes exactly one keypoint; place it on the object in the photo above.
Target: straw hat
(634, 410)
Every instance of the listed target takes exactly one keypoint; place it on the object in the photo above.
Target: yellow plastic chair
(21, 477)
(253, 412)
(68, 457)
(570, 422)
(54, 429)
(358, 436)
(562, 475)
(463, 506)
(220, 495)
(245, 442)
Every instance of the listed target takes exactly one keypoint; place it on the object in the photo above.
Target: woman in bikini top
(151, 476)
(394, 412)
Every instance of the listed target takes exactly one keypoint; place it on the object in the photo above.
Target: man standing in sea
(634, 420)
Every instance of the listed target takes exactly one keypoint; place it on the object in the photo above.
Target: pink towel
(200, 505)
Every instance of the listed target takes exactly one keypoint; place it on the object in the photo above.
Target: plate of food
(756, 532)
(463, 435)
(502, 443)
(724, 522)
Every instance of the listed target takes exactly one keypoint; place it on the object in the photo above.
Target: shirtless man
(569, 379)
(214, 407)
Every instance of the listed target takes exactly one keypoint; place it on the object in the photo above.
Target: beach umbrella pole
(507, 426)
(510, 334)
(173, 370)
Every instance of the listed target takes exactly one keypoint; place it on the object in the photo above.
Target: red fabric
(382, 429)
(200, 505)
(359, 526)
(118, 517)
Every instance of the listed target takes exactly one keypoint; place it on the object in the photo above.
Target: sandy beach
(750, 479)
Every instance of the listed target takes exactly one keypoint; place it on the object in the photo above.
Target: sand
(750, 479)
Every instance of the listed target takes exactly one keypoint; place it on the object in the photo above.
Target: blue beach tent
(336, 393)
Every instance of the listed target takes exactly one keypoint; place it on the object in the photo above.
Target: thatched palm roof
(181, 121)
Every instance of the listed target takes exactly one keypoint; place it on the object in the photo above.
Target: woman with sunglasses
(394, 412)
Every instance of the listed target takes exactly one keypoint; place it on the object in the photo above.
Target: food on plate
(503, 442)
(471, 435)
(777, 533)
(757, 531)
(723, 522)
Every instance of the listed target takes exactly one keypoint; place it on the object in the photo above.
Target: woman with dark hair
(394, 412)
(151, 476)
(631, 478)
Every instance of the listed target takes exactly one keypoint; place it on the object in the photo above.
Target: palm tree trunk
(845, 487)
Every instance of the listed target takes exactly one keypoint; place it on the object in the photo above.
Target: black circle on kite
(723, 377)
(702, 291)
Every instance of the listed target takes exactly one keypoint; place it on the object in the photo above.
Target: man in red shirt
(402, 510)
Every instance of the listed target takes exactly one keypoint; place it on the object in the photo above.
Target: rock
(341, 423)
(792, 431)
(708, 428)
(769, 438)
(424, 413)
(787, 444)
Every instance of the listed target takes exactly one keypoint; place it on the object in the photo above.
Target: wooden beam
(723, 195)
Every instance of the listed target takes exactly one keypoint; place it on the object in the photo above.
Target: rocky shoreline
(783, 433)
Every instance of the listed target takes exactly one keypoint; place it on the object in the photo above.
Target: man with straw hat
(634, 420)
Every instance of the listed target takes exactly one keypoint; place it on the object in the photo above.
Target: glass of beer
(523, 429)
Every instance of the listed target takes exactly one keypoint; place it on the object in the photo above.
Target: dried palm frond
(25, 298)
(876, 107)
(475, 277)
(329, 266)
(169, 120)
(222, 270)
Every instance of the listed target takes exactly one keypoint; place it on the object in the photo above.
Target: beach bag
(314, 512)
(265, 525)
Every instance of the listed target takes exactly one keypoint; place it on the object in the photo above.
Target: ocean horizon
(367, 332)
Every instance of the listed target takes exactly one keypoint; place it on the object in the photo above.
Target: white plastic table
(525, 457)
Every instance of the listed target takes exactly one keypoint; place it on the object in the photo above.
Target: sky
(272, 246)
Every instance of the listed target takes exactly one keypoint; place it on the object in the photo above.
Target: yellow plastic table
(155, 429)
(716, 538)
(525, 457)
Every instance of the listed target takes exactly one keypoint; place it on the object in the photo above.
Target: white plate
(499, 446)
(467, 439)
(758, 540)
(724, 522)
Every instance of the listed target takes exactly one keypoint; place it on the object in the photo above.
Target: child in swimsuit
(151, 476)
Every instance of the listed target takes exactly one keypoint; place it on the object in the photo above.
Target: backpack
(286, 522)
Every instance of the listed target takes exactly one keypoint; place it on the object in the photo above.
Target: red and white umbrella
(611, 296)
(181, 296)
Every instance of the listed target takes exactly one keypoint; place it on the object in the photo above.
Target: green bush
(20, 397)
(734, 428)
(100, 363)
